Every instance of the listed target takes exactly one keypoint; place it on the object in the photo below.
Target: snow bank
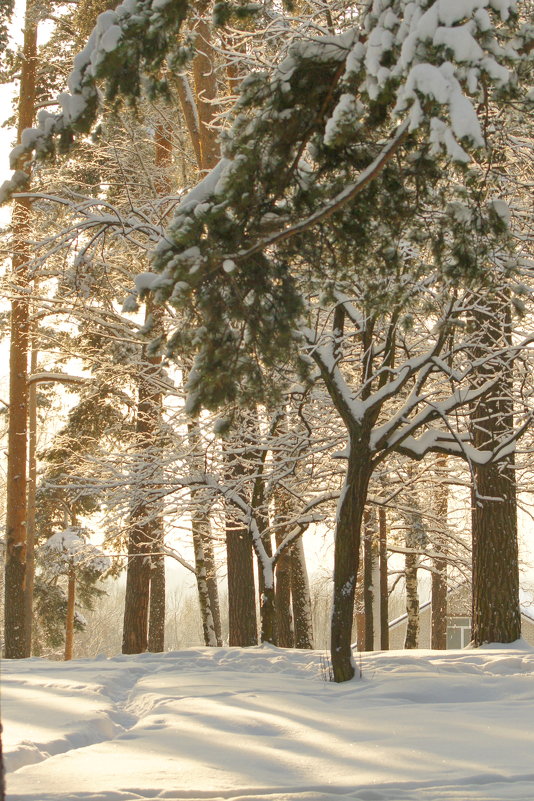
(261, 723)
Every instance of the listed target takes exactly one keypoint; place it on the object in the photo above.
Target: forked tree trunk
(496, 614)
(17, 445)
(346, 558)
(71, 603)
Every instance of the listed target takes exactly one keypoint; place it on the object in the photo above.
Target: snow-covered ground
(261, 724)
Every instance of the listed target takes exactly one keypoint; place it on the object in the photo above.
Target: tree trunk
(301, 598)
(346, 559)
(156, 612)
(242, 625)
(439, 573)
(412, 600)
(284, 623)
(145, 520)
(206, 94)
(213, 587)
(496, 614)
(32, 488)
(71, 602)
(198, 525)
(371, 583)
(384, 592)
(16, 509)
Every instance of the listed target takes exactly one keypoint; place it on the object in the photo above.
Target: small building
(458, 621)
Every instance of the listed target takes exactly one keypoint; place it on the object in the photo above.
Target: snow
(261, 723)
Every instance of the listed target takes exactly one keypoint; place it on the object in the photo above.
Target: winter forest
(267, 328)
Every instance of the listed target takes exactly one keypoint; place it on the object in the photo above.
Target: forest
(268, 283)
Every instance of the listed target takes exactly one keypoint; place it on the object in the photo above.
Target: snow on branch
(125, 44)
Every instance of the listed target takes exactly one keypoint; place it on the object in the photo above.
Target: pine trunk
(206, 94)
(32, 488)
(284, 623)
(242, 621)
(71, 603)
(496, 614)
(301, 598)
(242, 625)
(156, 612)
(17, 446)
(145, 526)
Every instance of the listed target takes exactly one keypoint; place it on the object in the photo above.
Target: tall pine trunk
(16, 511)
(284, 621)
(32, 490)
(496, 614)
(300, 596)
(156, 610)
(145, 525)
(242, 620)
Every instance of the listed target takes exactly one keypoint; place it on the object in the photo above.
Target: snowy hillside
(262, 725)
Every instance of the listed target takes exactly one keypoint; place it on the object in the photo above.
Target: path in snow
(261, 724)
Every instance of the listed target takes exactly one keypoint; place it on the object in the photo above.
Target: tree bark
(32, 488)
(439, 573)
(199, 522)
(145, 518)
(346, 558)
(156, 611)
(371, 583)
(16, 511)
(213, 587)
(496, 613)
(206, 94)
(412, 600)
(71, 602)
(242, 622)
(384, 592)
(301, 598)
(284, 622)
